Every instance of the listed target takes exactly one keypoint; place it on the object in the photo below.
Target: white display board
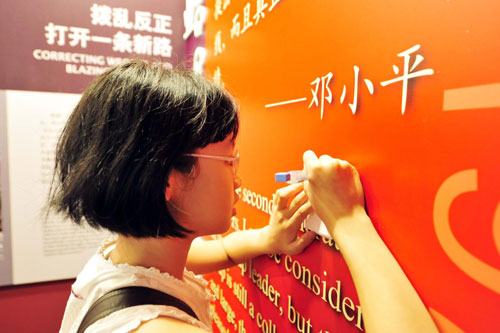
(36, 246)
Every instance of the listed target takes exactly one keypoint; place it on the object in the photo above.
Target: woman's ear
(168, 192)
(172, 184)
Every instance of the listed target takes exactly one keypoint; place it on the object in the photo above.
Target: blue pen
(290, 177)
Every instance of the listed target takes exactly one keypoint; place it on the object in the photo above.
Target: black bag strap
(126, 297)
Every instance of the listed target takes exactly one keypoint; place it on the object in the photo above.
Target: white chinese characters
(324, 81)
(143, 42)
(322, 93)
(251, 19)
(408, 73)
(195, 16)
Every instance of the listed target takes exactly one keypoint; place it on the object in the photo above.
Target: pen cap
(282, 176)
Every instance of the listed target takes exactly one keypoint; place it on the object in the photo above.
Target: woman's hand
(333, 188)
(290, 208)
(389, 301)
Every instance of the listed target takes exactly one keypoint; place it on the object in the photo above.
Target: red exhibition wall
(408, 92)
(35, 307)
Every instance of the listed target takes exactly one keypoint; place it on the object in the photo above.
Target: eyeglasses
(233, 161)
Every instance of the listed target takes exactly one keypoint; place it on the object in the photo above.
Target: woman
(149, 153)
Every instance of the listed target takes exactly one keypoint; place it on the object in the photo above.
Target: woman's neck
(169, 255)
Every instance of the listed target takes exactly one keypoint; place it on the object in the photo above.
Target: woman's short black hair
(132, 127)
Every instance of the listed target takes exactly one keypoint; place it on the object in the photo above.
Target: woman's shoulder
(167, 324)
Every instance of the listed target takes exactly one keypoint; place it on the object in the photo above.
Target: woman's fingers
(301, 243)
(297, 202)
(300, 214)
(309, 157)
(283, 195)
(310, 160)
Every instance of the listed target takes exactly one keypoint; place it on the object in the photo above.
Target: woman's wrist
(265, 242)
(226, 251)
(241, 246)
(351, 227)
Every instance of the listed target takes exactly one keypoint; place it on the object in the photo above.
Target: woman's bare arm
(290, 208)
(389, 301)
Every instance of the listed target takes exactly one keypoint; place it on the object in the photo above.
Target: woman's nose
(237, 181)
